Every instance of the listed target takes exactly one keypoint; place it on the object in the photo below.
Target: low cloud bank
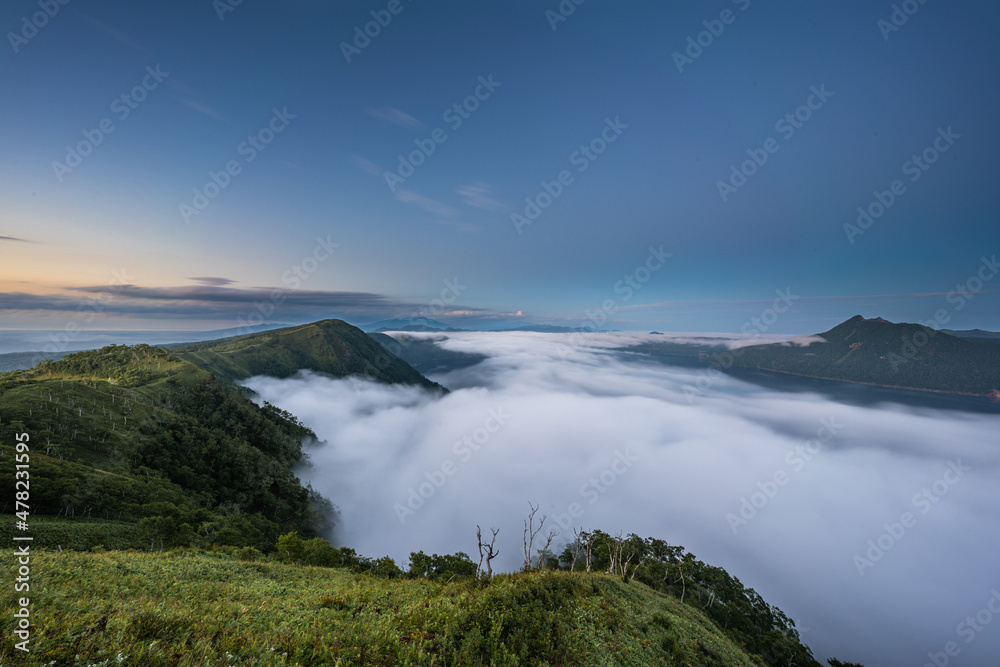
(875, 528)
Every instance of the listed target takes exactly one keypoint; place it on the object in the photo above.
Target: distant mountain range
(424, 324)
(552, 328)
(406, 324)
(875, 351)
(56, 342)
(976, 334)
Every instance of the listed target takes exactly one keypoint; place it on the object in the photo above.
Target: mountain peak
(859, 325)
(896, 354)
(332, 347)
(858, 319)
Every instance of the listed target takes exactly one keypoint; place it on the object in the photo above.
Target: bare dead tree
(491, 553)
(621, 556)
(479, 540)
(624, 563)
(635, 568)
(544, 550)
(575, 548)
(680, 576)
(530, 532)
(586, 541)
(642, 559)
(486, 551)
(614, 552)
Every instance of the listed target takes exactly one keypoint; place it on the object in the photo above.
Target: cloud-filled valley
(784, 490)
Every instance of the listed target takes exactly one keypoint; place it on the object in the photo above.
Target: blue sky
(113, 228)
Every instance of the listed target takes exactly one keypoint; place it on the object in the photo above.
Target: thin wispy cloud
(214, 299)
(216, 294)
(201, 108)
(425, 203)
(15, 239)
(460, 225)
(479, 195)
(798, 298)
(366, 165)
(116, 35)
(212, 280)
(394, 116)
(206, 302)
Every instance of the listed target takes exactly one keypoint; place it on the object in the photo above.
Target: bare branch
(586, 541)
(530, 532)
(486, 551)
(491, 553)
(479, 539)
(544, 550)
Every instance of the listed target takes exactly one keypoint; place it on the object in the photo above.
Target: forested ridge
(332, 347)
(134, 434)
(878, 352)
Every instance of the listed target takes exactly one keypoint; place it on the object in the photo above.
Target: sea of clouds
(877, 528)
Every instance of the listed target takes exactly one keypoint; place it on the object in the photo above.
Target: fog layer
(875, 528)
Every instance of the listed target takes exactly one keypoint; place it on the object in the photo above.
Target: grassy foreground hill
(878, 352)
(162, 609)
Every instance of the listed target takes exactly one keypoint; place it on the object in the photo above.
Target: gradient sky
(115, 218)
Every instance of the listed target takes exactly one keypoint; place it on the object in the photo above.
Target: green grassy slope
(879, 352)
(213, 609)
(332, 347)
(136, 434)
